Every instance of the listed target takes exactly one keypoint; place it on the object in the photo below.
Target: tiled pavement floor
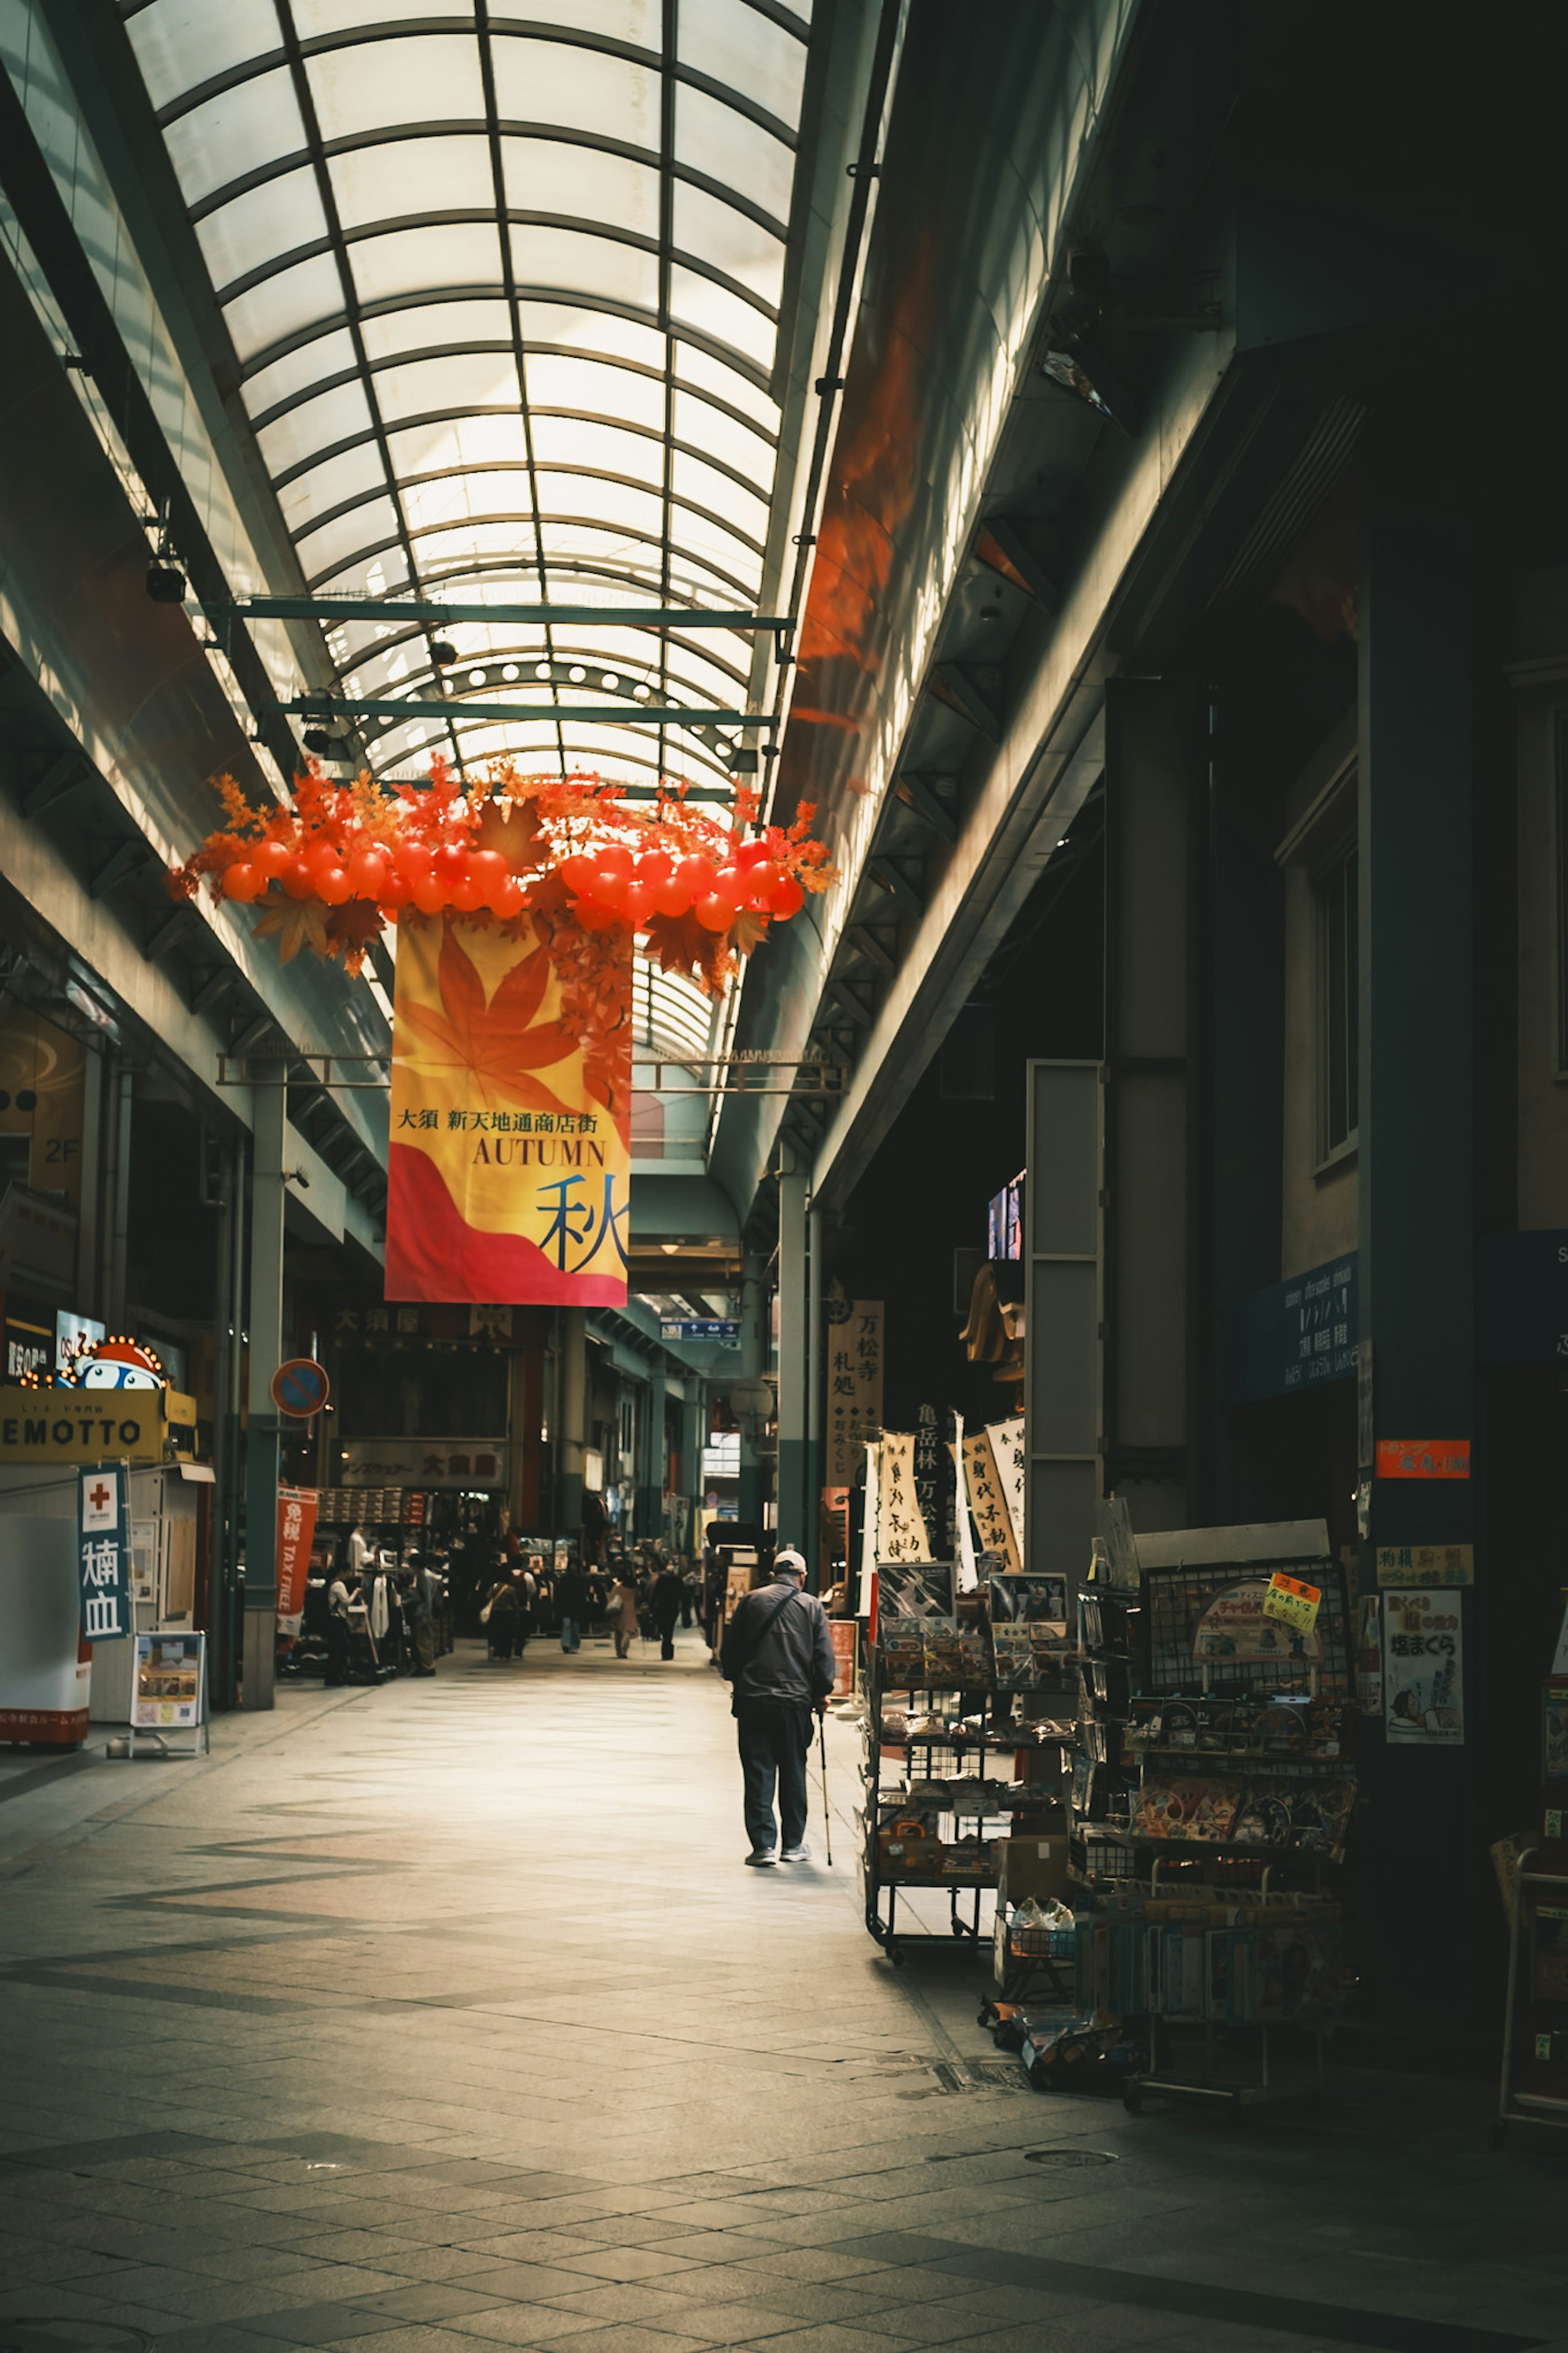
(445, 2017)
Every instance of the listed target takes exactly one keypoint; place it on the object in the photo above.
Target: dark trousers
(776, 1741)
(337, 1650)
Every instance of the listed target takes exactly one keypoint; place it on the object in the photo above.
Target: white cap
(790, 1561)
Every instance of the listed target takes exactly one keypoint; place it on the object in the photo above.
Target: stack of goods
(1102, 1782)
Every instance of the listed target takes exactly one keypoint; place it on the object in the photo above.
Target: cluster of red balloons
(450, 876)
(611, 886)
(608, 885)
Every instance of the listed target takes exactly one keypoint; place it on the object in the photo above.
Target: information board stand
(168, 1692)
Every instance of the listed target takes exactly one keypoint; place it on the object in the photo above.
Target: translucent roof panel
(505, 291)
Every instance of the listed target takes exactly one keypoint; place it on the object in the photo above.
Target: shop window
(1339, 1005)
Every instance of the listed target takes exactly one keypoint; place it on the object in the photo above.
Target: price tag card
(1294, 1603)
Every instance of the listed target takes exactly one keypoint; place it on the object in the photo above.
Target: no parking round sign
(301, 1388)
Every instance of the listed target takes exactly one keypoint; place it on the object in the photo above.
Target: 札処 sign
(301, 1388)
(854, 1385)
(510, 1169)
(1423, 1458)
(103, 1554)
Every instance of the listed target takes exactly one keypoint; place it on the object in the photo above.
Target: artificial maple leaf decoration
(351, 929)
(678, 941)
(512, 828)
(499, 1042)
(294, 923)
(748, 931)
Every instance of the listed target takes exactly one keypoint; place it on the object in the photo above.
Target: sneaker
(763, 1858)
(795, 1854)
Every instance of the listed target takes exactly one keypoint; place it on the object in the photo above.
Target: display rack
(1239, 1731)
(886, 1873)
(1520, 2103)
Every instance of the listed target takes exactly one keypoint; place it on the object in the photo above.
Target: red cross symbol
(98, 1496)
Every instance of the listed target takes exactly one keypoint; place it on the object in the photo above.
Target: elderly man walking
(777, 1658)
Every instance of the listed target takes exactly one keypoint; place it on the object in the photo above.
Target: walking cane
(826, 1817)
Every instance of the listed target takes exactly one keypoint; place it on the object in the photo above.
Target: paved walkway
(445, 2017)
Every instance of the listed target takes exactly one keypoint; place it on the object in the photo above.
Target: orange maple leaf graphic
(499, 1042)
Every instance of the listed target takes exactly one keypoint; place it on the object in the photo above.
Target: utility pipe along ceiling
(505, 295)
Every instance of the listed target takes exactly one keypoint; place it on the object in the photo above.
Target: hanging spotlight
(442, 654)
(165, 583)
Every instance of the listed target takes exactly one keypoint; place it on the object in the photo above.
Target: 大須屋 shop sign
(77, 1426)
(103, 1554)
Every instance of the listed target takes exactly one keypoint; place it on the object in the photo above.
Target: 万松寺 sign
(509, 1176)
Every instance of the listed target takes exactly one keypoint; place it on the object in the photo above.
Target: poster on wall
(854, 1335)
(1423, 1668)
(510, 1171)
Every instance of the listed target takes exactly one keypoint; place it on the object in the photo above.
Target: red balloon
(468, 895)
(730, 885)
(429, 893)
(333, 886)
(241, 882)
(654, 866)
(507, 897)
(323, 858)
(714, 914)
(298, 878)
(674, 896)
(610, 884)
(696, 873)
(370, 871)
(614, 859)
(637, 901)
(578, 872)
(750, 853)
(270, 857)
(486, 867)
(593, 916)
(788, 898)
(450, 861)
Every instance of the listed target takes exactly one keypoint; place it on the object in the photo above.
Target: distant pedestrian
(338, 1630)
(668, 1593)
(575, 1601)
(501, 1618)
(623, 1615)
(777, 1658)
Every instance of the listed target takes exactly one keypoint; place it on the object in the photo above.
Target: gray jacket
(791, 1662)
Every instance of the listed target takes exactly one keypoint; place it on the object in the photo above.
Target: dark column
(1417, 1149)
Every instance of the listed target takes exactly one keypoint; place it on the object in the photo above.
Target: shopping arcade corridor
(444, 2016)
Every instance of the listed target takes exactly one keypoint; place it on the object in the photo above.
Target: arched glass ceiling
(505, 292)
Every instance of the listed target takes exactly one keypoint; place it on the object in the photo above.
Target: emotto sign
(68, 1425)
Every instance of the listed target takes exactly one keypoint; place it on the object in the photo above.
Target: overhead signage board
(1295, 1334)
(693, 1327)
(70, 1427)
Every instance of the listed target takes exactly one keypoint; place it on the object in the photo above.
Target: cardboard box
(1033, 1867)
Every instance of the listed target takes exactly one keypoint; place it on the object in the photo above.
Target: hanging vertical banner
(854, 1383)
(968, 1575)
(865, 1606)
(296, 1508)
(509, 1176)
(1008, 1452)
(902, 1532)
(103, 1554)
(992, 1522)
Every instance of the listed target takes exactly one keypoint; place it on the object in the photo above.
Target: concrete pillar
(1416, 1157)
(693, 1434)
(114, 1224)
(650, 1461)
(269, 1124)
(794, 1352)
(572, 1437)
(754, 1352)
(814, 1400)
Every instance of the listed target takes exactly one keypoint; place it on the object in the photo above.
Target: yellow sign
(510, 1178)
(1293, 1603)
(1408, 1564)
(81, 1425)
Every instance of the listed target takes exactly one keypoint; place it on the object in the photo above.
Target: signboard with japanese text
(510, 1170)
(296, 1533)
(1423, 1668)
(1293, 1334)
(1446, 1564)
(103, 1554)
(423, 1462)
(1292, 1602)
(992, 1521)
(1008, 1451)
(167, 1689)
(81, 1426)
(854, 1336)
(902, 1532)
(1423, 1458)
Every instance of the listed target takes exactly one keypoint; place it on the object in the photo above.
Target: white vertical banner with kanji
(983, 1483)
(902, 1532)
(968, 1575)
(854, 1380)
(1008, 1453)
(867, 1604)
(103, 1554)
